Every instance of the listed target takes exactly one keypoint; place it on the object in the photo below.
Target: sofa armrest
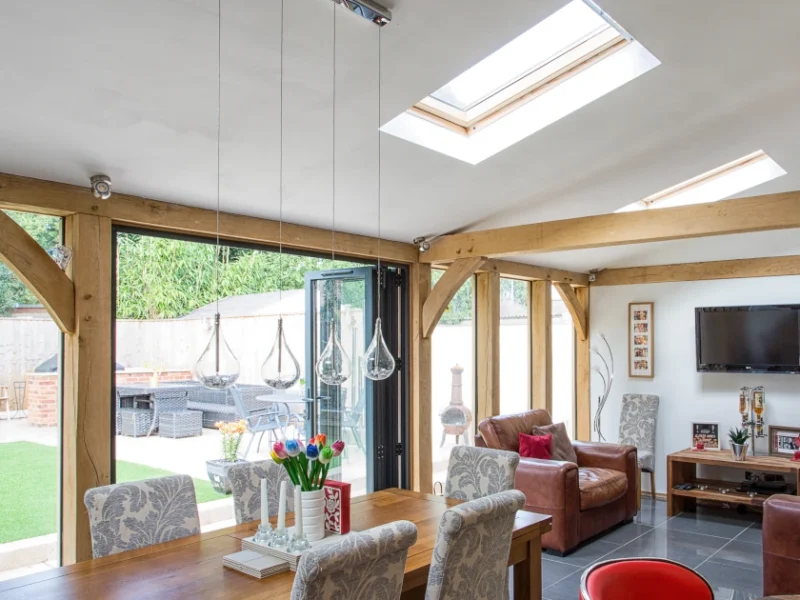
(613, 456)
(547, 483)
(605, 456)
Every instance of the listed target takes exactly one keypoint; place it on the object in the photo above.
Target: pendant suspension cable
(219, 120)
(379, 170)
(280, 181)
(333, 140)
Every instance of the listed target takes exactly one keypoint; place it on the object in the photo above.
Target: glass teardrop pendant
(217, 368)
(333, 366)
(377, 361)
(280, 370)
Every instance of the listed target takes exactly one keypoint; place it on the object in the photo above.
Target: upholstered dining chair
(246, 487)
(474, 472)
(368, 565)
(637, 427)
(470, 558)
(126, 516)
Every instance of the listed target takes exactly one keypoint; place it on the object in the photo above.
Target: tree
(47, 232)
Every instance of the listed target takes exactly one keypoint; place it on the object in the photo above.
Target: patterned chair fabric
(368, 565)
(246, 487)
(470, 558)
(126, 516)
(637, 427)
(474, 472)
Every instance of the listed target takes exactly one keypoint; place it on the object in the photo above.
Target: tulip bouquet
(307, 466)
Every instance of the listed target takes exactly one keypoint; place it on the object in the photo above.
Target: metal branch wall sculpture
(607, 375)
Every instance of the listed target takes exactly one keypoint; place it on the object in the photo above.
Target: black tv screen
(758, 339)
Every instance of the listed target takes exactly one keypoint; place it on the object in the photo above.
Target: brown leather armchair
(584, 499)
(780, 537)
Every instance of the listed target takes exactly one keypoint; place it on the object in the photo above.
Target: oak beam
(38, 271)
(445, 289)
(515, 270)
(48, 197)
(576, 310)
(583, 373)
(421, 390)
(702, 271)
(743, 215)
(542, 347)
(86, 413)
(487, 304)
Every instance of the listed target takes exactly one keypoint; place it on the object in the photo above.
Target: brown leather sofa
(585, 498)
(780, 536)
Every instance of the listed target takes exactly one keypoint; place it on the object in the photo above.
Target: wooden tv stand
(682, 468)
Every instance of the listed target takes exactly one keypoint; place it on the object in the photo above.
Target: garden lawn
(29, 488)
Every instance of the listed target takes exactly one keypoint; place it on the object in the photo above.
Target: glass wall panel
(30, 404)
(515, 346)
(166, 300)
(563, 365)
(453, 377)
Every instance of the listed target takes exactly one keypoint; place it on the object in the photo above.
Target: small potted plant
(307, 467)
(217, 469)
(738, 438)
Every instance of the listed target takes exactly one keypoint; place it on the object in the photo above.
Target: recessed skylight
(717, 184)
(573, 57)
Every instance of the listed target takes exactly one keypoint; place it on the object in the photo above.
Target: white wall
(687, 395)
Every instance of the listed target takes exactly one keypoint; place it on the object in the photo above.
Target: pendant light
(280, 370)
(333, 365)
(217, 368)
(378, 362)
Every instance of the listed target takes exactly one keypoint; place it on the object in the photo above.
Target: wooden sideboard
(682, 468)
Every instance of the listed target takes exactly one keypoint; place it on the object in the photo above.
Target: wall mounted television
(748, 339)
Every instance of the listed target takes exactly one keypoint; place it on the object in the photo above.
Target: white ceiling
(129, 88)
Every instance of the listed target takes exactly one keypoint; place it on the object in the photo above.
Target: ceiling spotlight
(371, 11)
(423, 244)
(101, 186)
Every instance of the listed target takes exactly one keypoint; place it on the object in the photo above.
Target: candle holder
(264, 534)
(298, 543)
(280, 539)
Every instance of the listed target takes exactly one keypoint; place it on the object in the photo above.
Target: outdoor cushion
(600, 486)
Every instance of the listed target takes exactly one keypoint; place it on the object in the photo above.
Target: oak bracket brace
(575, 308)
(444, 290)
(37, 270)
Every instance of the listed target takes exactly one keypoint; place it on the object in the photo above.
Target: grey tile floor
(723, 546)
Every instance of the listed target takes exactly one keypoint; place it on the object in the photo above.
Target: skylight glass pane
(557, 34)
(717, 188)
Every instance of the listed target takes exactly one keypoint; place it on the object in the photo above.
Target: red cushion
(535, 446)
(642, 578)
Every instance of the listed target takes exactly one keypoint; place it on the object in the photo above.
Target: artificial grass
(29, 488)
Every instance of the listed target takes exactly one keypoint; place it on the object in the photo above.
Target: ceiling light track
(371, 11)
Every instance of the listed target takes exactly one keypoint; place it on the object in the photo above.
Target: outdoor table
(192, 567)
(285, 399)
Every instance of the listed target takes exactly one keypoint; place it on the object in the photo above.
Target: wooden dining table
(192, 567)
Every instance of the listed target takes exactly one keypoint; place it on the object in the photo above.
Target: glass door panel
(338, 304)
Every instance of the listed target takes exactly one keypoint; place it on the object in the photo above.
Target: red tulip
(337, 447)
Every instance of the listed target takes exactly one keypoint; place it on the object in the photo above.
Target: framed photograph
(707, 433)
(783, 441)
(640, 340)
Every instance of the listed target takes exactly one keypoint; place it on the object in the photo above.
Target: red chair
(638, 578)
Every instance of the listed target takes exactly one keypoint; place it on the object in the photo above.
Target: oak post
(488, 344)
(583, 372)
(86, 413)
(542, 348)
(421, 443)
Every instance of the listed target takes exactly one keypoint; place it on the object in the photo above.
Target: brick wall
(41, 391)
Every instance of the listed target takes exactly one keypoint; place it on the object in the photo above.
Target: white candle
(282, 507)
(264, 503)
(298, 512)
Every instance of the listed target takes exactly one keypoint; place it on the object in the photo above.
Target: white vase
(313, 514)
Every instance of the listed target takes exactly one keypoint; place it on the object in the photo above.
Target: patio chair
(167, 401)
(259, 420)
(127, 516)
(19, 399)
